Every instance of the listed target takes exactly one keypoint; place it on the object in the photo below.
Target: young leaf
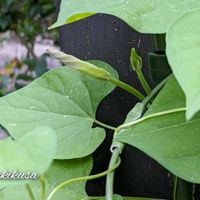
(59, 172)
(184, 58)
(165, 135)
(63, 99)
(33, 152)
(135, 113)
(146, 16)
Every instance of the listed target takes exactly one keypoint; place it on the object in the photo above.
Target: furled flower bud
(82, 66)
(136, 61)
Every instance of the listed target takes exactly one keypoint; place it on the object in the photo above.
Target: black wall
(107, 38)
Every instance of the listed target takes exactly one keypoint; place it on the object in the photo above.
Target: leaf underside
(183, 52)
(145, 16)
(168, 138)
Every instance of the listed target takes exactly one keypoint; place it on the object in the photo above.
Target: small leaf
(145, 16)
(135, 113)
(184, 58)
(59, 172)
(65, 100)
(33, 152)
(165, 135)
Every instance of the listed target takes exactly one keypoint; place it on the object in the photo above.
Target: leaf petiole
(155, 91)
(175, 188)
(126, 125)
(143, 81)
(105, 125)
(128, 88)
(30, 192)
(85, 178)
(43, 184)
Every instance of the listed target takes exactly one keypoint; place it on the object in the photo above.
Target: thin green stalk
(85, 178)
(105, 125)
(175, 187)
(117, 151)
(110, 176)
(127, 87)
(43, 184)
(151, 116)
(155, 90)
(143, 81)
(30, 192)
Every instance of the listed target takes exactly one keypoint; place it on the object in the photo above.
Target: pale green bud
(136, 60)
(82, 66)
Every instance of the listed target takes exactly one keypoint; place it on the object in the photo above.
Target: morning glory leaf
(145, 16)
(60, 171)
(65, 100)
(165, 135)
(183, 53)
(33, 152)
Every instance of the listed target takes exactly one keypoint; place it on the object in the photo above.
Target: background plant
(25, 20)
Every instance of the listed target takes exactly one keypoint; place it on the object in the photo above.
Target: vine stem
(116, 151)
(127, 87)
(30, 192)
(155, 90)
(117, 147)
(151, 116)
(143, 81)
(42, 181)
(84, 178)
(175, 187)
(105, 125)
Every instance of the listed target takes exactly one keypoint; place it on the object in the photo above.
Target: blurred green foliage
(26, 19)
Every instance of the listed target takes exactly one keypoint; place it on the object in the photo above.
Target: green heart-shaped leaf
(63, 99)
(33, 153)
(183, 52)
(146, 16)
(59, 172)
(164, 134)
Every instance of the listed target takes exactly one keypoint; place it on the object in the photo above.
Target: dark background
(107, 38)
